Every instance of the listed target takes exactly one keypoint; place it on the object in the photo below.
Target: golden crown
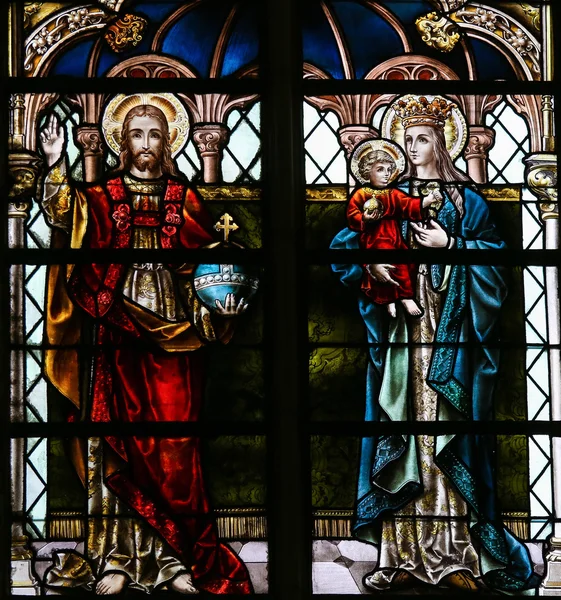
(422, 111)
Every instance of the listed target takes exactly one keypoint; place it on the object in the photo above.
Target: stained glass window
(284, 302)
(177, 502)
(403, 499)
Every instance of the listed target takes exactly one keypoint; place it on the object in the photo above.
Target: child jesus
(375, 211)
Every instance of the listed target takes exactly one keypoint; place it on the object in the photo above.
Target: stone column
(90, 139)
(211, 138)
(24, 169)
(541, 178)
(350, 136)
(481, 140)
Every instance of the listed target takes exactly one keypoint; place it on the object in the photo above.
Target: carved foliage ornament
(111, 4)
(541, 178)
(56, 29)
(480, 141)
(438, 31)
(29, 9)
(210, 138)
(125, 32)
(90, 140)
(351, 136)
(502, 26)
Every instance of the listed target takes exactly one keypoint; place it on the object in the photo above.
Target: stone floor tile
(258, 574)
(255, 552)
(324, 551)
(332, 578)
(358, 570)
(236, 546)
(358, 551)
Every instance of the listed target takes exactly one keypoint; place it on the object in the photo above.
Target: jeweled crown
(422, 111)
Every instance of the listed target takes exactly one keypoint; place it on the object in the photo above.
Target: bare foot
(112, 583)
(391, 310)
(184, 584)
(411, 307)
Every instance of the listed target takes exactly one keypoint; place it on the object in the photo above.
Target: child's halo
(378, 144)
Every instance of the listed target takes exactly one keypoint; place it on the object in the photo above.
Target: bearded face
(146, 160)
(146, 142)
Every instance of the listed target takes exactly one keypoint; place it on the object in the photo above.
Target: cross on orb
(226, 224)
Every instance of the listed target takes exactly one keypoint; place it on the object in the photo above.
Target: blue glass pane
(407, 12)
(193, 38)
(73, 62)
(360, 25)
(156, 11)
(243, 45)
(319, 46)
(490, 63)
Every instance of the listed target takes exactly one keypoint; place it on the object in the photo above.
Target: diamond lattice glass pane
(532, 228)
(37, 398)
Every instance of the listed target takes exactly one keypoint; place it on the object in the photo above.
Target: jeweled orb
(215, 282)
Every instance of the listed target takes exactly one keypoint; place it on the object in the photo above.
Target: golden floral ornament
(434, 111)
(125, 32)
(372, 146)
(438, 31)
(118, 108)
(541, 178)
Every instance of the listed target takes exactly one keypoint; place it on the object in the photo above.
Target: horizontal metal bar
(335, 428)
(329, 87)
(510, 257)
(146, 429)
(124, 85)
(134, 255)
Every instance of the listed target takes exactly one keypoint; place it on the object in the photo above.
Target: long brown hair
(444, 167)
(146, 110)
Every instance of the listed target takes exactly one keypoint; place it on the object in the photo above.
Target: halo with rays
(378, 144)
(119, 106)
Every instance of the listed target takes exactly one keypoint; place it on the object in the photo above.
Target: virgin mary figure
(429, 502)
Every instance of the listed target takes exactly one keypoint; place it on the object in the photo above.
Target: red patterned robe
(145, 371)
(385, 234)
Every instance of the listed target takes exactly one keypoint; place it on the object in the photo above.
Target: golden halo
(455, 128)
(119, 106)
(379, 144)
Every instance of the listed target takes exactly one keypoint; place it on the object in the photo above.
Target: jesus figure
(150, 523)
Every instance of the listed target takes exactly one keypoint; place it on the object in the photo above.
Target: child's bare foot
(391, 310)
(411, 307)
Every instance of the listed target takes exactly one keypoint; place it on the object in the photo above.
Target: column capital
(541, 178)
(481, 140)
(350, 136)
(90, 139)
(210, 137)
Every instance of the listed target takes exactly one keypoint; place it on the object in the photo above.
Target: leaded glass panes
(141, 39)
(343, 566)
(418, 40)
(294, 432)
